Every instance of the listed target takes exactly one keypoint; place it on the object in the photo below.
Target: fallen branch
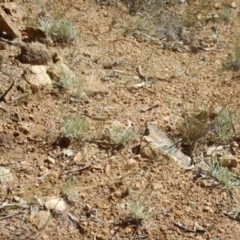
(196, 229)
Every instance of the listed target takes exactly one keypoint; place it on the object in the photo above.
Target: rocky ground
(127, 130)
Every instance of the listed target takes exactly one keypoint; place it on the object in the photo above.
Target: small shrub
(233, 60)
(122, 136)
(209, 125)
(68, 191)
(60, 30)
(138, 211)
(227, 14)
(79, 90)
(76, 127)
(67, 80)
(223, 126)
(194, 128)
(222, 174)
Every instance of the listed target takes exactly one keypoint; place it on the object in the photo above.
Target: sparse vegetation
(138, 210)
(69, 83)
(227, 14)
(222, 175)
(67, 80)
(79, 90)
(68, 191)
(194, 128)
(233, 60)
(207, 126)
(75, 127)
(59, 30)
(224, 125)
(122, 136)
(152, 63)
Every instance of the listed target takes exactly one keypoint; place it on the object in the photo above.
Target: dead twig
(196, 229)
(81, 170)
(2, 97)
(11, 215)
(75, 220)
(14, 205)
(150, 108)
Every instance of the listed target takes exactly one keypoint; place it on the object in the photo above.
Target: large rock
(8, 27)
(37, 76)
(157, 145)
(35, 54)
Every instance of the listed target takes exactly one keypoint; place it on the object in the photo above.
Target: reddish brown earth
(183, 205)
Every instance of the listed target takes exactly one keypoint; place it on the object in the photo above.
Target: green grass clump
(223, 125)
(227, 14)
(75, 127)
(68, 190)
(138, 211)
(222, 175)
(67, 80)
(60, 30)
(122, 136)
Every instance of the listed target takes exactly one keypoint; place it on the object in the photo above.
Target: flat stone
(55, 204)
(157, 145)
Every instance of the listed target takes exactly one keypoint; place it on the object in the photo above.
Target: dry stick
(2, 97)
(87, 167)
(176, 224)
(11, 215)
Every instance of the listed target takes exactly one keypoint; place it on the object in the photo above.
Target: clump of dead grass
(209, 124)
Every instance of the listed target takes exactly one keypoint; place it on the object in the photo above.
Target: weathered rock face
(37, 76)
(7, 27)
(157, 145)
(35, 54)
(37, 35)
